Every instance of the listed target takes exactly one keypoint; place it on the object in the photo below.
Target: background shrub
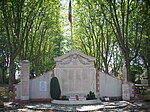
(64, 98)
(90, 96)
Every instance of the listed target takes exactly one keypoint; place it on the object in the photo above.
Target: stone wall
(39, 89)
(110, 86)
(40, 86)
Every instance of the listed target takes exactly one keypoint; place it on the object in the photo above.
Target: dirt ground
(134, 106)
(137, 106)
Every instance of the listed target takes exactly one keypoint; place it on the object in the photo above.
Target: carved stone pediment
(74, 59)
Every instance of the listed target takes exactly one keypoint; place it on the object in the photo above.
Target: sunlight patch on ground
(90, 107)
(26, 110)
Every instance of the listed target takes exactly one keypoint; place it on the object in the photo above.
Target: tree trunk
(125, 53)
(148, 73)
(3, 72)
(11, 74)
(127, 63)
(3, 75)
(148, 59)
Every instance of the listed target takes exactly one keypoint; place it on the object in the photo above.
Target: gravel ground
(133, 106)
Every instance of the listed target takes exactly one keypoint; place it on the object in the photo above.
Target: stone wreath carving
(74, 58)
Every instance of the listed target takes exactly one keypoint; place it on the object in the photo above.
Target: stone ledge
(78, 102)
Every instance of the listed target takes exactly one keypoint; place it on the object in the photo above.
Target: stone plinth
(85, 102)
(125, 92)
(25, 81)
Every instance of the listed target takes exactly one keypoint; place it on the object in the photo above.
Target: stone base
(125, 92)
(76, 102)
(22, 101)
(41, 100)
(48, 100)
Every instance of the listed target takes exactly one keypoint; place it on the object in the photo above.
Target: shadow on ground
(121, 106)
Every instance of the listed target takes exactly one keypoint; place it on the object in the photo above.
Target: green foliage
(3, 51)
(90, 96)
(136, 71)
(93, 34)
(64, 98)
(55, 91)
(112, 31)
(28, 31)
(37, 31)
(6, 95)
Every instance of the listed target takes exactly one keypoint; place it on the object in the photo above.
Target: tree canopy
(113, 31)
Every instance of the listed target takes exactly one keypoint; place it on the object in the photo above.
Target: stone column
(93, 79)
(97, 82)
(25, 81)
(125, 85)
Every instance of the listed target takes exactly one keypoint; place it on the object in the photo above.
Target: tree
(111, 31)
(125, 25)
(3, 52)
(93, 34)
(145, 41)
(45, 38)
(28, 28)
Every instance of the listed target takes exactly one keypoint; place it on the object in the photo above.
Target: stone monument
(76, 73)
(25, 81)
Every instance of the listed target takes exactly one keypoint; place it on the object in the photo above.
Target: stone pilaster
(125, 86)
(97, 82)
(125, 92)
(25, 81)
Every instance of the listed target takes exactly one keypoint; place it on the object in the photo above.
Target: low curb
(86, 102)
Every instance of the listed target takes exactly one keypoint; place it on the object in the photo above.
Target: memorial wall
(76, 73)
(77, 76)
